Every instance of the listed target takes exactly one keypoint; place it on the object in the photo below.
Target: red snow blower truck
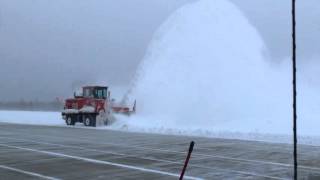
(93, 107)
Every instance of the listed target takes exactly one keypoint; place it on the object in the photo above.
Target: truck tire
(89, 121)
(70, 121)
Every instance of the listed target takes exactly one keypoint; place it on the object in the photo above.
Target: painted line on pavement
(101, 162)
(28, 173)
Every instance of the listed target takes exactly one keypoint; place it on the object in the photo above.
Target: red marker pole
(187, 160)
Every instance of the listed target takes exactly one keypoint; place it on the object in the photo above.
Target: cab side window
(100, 94)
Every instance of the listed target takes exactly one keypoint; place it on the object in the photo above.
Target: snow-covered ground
(122, 124)
(31, 117)
(242, 130)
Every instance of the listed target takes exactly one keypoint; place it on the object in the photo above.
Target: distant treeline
(54, 105)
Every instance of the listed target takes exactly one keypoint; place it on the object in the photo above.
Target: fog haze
(48, 48)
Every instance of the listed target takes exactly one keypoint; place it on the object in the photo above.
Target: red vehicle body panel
(79, 103)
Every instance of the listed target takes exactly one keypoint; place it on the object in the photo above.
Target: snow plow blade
(124, 109)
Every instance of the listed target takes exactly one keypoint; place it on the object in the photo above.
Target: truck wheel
(87, 121)
(70, 121)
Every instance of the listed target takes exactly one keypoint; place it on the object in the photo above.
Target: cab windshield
(97, 93)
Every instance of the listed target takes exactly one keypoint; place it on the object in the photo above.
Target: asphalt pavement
(48, 152)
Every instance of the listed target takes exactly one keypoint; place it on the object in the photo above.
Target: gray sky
(49, 47)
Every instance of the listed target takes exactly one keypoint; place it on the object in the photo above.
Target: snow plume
(206, 71)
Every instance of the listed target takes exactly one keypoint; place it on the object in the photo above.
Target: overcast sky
(47, 48)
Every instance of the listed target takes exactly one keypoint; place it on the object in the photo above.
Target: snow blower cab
(92, 106)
